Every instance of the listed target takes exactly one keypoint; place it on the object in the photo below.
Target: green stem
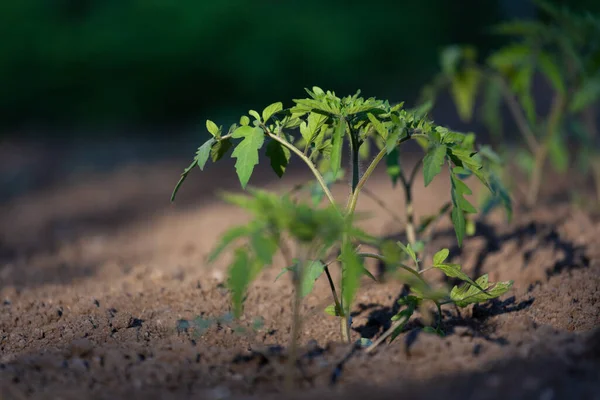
(517, 113)
(345, 318)
(309, 163)
(554, 118)
(383, 259)
(351, 207)
(296, 322)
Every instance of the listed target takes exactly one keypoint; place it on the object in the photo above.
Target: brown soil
(102, 282)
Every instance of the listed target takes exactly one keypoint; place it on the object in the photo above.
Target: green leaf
(280, 157)
(246, 151)
(332, 310)
(255, 115)
(200, 160)
(586, 95)
(552, 72)
(458, 220)
(182, 178)
(379, 126)
(270, 110)
(231, 235)
(264, 247)
(212, 128)
(336, 143)
(313, 270)
(204, 152)
(409, 251)
(491, 107)
(463, 88)
(467, 294)
(454, 271)
(239, 279)
(393, 166)
(244, 120)
(219, 149)
(440, 256)
(433, 161)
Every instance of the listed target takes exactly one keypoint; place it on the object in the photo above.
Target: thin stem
(395, 325)
(541, 153)
(518, 116)
(354, 197)
(309, 163)
(381, 204)
(336, 300)
(363, 180)
(383, 259)
(296, 325)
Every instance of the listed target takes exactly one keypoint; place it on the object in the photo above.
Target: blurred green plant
(565, 49)
(315, 130)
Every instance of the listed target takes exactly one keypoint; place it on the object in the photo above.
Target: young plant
(565, 49)
(315, 131)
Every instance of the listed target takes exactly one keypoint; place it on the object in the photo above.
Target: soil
(106, 293)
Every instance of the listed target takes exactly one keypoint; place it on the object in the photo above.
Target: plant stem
(336, 300)
(345, 317)
(535, 181)
(309, 163)
(296, 322)
(351, 207)
(382, 259)
(395, 325)
(518, 116)
(541, 152)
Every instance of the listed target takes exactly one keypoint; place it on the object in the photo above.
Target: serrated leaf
(239, 279)
(264, 247)
(440, 256)
(454, 271)
(212, 128)
(467, 294)
(270, 110)
(379, 126)
(458, 220)
(182, 178)
(337, 141)
(204, 152)
(279, 156)
(433, 161)
(246, 152)
(219, 149)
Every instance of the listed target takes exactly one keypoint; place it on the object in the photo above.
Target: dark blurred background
(97, 71)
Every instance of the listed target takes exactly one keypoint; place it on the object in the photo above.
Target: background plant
(565, 49)
(315, 130)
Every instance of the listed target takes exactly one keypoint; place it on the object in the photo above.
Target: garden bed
(102, 285)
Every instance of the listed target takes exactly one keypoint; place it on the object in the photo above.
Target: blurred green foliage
(98, 63)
